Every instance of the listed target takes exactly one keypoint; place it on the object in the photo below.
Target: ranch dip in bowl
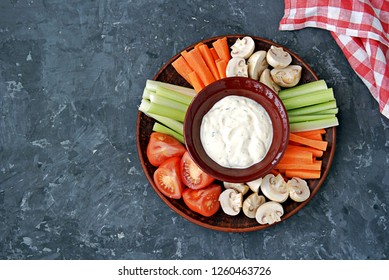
(236, 129)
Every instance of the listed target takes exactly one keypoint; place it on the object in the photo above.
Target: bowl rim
(244, 87)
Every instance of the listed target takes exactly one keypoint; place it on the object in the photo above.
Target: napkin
(359, 27)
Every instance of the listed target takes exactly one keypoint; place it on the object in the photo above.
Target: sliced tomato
(204, 201)
(161, 147)
(167, 178)
(192, 175)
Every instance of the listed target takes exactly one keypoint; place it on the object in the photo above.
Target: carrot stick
(221, 65)
(314, 131)
(315, 152)
(313, 136)
(222, 49)
(207, 55)
(303, 174)
(214, 54)
(318, 144)
(197, 63)
(182, 68)
(297, 156)
(196, 81)
(316, 165)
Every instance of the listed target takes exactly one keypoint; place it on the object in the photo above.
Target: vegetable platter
(220, 221)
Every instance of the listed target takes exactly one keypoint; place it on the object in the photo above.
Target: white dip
(236, 132)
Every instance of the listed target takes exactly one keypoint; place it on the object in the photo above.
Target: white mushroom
(231, 202)
(277, 57)
(237, 67)
(243, 47)
(239, 187)
(255, 185)
(274, 188)
(256, 64)
(267, 80)
(251, 204)
(298, 189)
(269, 213)
(288, 76)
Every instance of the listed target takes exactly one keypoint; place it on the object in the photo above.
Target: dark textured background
(71, 185)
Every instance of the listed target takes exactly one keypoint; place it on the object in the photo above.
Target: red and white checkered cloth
(359, 27)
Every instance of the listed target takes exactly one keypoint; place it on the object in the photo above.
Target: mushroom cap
(269, 213)
(237, 67)
(251, 204)
(288, 76)
(231, 202)
(243, 47)
(278, 58)
(239, 187)
(298, 189)
(256, 64)
(274, 188)
(266, 79)
(255, 185)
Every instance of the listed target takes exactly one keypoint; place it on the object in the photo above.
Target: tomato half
(167, 178)
(204, 201)
(161, 147)
(192, 175)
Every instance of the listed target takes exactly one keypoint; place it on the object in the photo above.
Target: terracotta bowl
(244, 87)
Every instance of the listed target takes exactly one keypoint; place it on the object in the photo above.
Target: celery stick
(170, 123)
(160, 99)
(304, 118)
(302, 89)
(315, 124)
(312, 109)
(148, 107)
(146, 93)
(152, 85)
(309, 99)
(163, 129)
(333, 111)
(173, 95)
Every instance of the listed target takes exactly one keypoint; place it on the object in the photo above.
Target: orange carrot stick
(222, 49)
(313, 136)
(182, 68)
(303, 174)
(318, 144)
(297, 156)
(197, 63)
(315, 152)
(316, 165)
(208, 58)
(196, 81)
(214, 54)
(221, 66)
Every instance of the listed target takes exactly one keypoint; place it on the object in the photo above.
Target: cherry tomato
(192, 175)
(167, 178)
(161, 147)
(204, 201)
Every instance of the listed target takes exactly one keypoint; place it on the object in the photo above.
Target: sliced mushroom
(277, 57)
(239, 187)
(251, 204)
(269, 213)
(274, 188)
(231, 202)
(237, 67)
(267, 80)
(255, 185)
(243, 47)
(298, 189)
(288, 76)
(256, 64)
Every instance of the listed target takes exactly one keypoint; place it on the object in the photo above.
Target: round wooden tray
(221, 221)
